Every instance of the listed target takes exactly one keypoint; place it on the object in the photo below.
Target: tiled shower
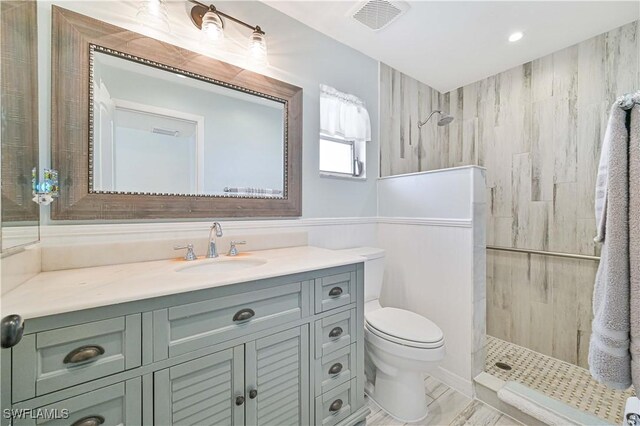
(537, 128)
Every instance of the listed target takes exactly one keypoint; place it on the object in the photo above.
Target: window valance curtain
(343, 115)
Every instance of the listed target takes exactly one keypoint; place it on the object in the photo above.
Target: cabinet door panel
(202, 391)
(277, 369)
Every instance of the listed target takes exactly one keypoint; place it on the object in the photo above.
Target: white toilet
(400, 346)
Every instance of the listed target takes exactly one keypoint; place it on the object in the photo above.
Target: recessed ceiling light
(516, 36)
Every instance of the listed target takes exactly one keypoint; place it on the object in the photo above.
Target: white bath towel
(634, 242)
(609, 359)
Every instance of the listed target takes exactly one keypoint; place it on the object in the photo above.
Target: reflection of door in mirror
(19, 115)
(192, 137)
(146, 149)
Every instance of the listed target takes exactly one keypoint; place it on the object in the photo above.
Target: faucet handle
(233, 250)
(191, 255)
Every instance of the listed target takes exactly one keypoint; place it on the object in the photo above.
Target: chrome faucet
(213, 251)
(233, 250)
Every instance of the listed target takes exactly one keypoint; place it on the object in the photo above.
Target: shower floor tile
(557, 379)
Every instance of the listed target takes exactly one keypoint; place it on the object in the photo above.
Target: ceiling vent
(378, 14)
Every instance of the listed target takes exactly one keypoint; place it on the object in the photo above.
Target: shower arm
(422, 123)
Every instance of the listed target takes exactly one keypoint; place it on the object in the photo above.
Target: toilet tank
(373, 270)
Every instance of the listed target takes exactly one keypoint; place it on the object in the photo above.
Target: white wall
(297, 55)
(432, 229)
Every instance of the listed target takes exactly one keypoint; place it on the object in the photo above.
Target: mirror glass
(160, 131)
(19, 121)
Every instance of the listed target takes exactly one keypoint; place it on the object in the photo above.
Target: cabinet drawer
(335, 369)
(182, 329)
(64, 357)
(335, 291)
(335, 332)
(113, 405)
(335, 405)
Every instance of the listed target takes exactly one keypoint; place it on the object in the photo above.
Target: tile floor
(446, 407)
(557, 379)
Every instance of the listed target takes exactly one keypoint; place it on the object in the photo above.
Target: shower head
(443, 121)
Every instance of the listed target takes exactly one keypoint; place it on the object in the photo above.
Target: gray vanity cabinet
(275, 352)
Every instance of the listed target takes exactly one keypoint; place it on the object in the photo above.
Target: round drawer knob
(239, 400)
(253, 393)
(11, 330)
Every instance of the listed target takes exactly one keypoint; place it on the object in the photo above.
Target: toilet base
(401, 396)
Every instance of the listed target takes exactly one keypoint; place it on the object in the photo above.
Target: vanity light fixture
(210, 21)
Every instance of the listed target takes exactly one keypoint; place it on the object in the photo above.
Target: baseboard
(453, 381)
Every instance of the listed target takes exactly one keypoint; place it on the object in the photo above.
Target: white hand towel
(609, 359)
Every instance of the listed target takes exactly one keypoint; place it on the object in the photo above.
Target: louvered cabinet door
(202, 392)
(277, 379)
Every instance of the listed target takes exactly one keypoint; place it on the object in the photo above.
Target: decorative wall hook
(46, 191)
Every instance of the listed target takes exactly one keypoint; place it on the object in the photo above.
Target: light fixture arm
(212, 8)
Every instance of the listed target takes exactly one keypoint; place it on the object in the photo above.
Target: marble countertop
(56, 292)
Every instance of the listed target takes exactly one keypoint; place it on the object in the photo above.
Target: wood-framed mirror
(142, 129)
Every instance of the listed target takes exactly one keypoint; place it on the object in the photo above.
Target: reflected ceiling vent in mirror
(165, 132)
(378, 14)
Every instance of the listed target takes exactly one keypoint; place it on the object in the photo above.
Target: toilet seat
(404, 327)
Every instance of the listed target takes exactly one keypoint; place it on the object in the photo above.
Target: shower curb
(488, 388)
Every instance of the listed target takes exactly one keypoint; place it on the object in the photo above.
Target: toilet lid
(399, 324)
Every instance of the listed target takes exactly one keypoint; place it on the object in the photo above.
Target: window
(344, 130)
(336, 156)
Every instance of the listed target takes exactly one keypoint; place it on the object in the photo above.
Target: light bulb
(153, 14)
(258, 47)
(212, 26)
(516, 36)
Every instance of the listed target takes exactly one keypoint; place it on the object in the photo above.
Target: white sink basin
(217, 266)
